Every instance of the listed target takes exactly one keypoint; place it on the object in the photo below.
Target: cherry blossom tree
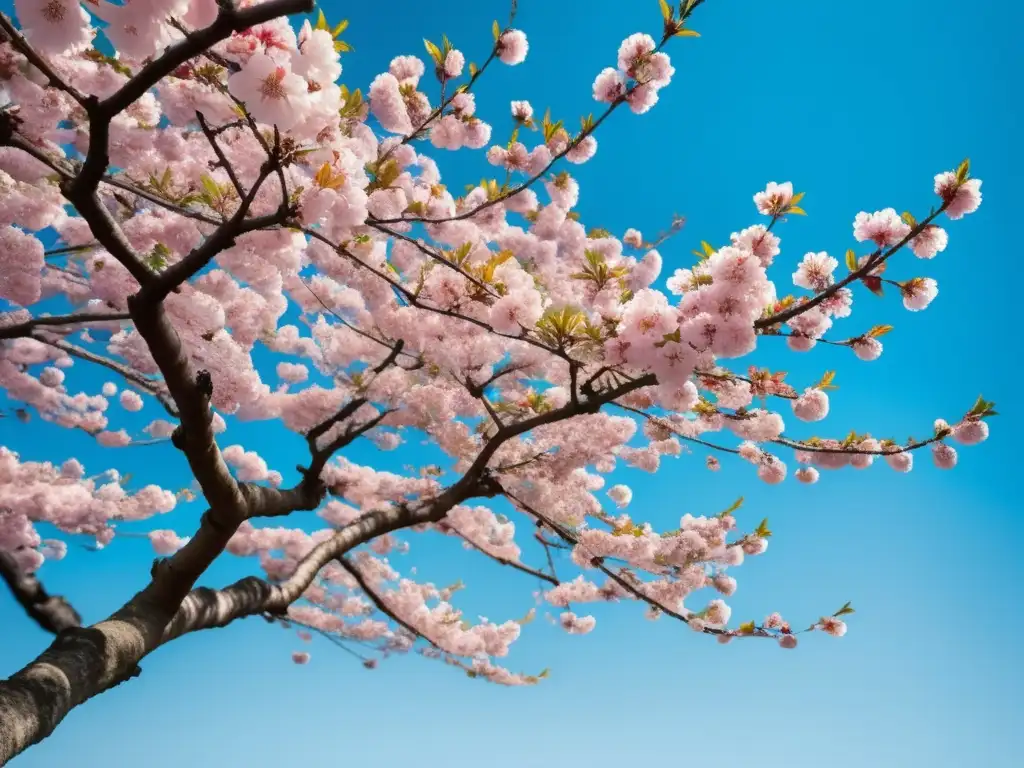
(224, 230)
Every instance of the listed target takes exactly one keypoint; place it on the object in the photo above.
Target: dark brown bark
(51, 612)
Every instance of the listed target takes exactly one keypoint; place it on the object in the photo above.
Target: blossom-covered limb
(549, 577)
(872, 263)
(154, 387)
(10, 32)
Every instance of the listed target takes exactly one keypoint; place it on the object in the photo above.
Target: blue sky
(859, 107)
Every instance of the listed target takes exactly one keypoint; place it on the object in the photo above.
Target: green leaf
(851, 260)
(795, 209)
(732, 507)
(963, 171)
(845, 610)
(762, 530)
(666, 10)
(496, 30)
(529, 617)
(879, 330)
(434, 51)
(747, 628)
(687, 33)
(908, 219)
(826, 381)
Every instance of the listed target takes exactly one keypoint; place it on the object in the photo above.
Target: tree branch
(378, 601)
(149, 385)
(51, 612)
(83, 318)
(505, 561)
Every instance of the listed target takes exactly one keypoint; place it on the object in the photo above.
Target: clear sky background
(859, 105)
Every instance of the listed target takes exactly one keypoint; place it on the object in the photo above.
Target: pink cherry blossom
(512, 47)
(271, 91)
(774, 199)
(971, 432)
(815, 272)
(960, 198)
(832, 626)
(166, 542)
(931, 241)
(131, 401)
(918, 293)
(807, 475)
(621, 495)
(609, 86)
(944, 455)
(454, 61)
(55, 26)
(867, 348)
(522, 111)
(812, 405)
(884, 228)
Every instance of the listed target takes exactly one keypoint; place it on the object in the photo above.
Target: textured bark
(83, 663)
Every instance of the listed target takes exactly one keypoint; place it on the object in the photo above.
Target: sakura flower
(512, 47)
(775, 199)
(131, 401)
(633, 238)
(944, 455)
(807, 475)
(633, 51)
(453, 63)
(971, 432)
(717, 613)
(830, 625)
(54, 26)
(812, 405)
(300, 657)
(621, 495)
(867, 349)
(577, 625)
(884, 228)
(522, 112)
(166, 542)
(960, 198)
(903, 461)
(929, 242)
(585, 149)
(788, 642)
(609, 86)
(387, 104)
(815, 272)
(918, 293)
(271, 92)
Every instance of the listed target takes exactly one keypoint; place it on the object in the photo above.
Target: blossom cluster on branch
(212, 197)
